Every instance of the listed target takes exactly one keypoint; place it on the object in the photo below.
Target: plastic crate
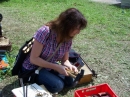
(93, 90)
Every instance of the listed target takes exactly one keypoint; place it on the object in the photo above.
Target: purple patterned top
(48, 38)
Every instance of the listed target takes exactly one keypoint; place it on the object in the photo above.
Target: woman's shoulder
(69, 42)
(43, 31)
(44, 28)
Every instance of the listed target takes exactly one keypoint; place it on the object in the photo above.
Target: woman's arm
(35, 59)
(65, 60)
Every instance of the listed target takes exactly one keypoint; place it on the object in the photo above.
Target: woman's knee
(56, 87)
(52, 82)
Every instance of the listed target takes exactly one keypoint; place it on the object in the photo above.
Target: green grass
(104, 44)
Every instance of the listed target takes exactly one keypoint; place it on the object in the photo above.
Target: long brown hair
(67, 21)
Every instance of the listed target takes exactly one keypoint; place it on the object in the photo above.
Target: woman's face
(74, 32)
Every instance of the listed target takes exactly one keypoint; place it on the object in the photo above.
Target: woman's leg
(51, 81)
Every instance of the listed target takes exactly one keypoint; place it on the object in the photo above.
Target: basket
(94, 90)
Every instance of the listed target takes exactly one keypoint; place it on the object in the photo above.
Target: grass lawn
(104, 44)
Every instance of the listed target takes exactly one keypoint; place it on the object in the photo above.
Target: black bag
(28, 76)
(78, 61)
(75, 59)
(23, 52)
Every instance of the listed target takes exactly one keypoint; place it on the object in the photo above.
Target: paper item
(33, 91)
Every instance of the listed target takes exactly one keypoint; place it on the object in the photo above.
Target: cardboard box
(87, 75)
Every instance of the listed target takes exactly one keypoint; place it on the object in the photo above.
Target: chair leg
(21, 83)
(26, 89)
(0, 93)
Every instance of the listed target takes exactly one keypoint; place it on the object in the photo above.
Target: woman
(47, 38)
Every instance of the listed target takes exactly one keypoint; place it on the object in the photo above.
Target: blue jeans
(52, 81)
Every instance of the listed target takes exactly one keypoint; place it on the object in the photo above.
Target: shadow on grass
(121, 6)
(6, 91)
(4, 1)
(65, 90)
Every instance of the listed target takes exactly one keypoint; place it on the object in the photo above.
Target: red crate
(84, 92)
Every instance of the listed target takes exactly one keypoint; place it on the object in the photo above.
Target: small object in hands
(77, 76)
(71, 73)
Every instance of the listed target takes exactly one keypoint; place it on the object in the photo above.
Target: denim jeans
(52, 81)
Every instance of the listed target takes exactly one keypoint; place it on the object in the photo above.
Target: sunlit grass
(105, 43)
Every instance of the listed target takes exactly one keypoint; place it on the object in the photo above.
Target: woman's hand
(74, 68)
(62, 70)
(70, 66)
(67, 63)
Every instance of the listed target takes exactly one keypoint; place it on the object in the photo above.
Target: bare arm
(35, 59)
(65, 59)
